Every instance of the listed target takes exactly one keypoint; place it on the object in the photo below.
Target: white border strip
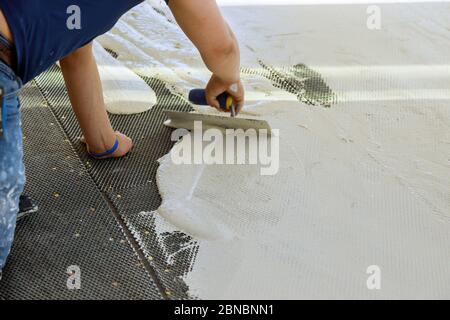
(225, 3)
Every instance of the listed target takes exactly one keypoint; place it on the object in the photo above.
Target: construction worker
(34, 34)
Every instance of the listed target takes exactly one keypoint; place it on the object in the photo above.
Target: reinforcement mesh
(74, 226)
(129, 183)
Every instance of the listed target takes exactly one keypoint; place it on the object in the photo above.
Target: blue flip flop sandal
(107, 152)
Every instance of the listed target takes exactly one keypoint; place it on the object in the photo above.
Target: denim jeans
(12, 172)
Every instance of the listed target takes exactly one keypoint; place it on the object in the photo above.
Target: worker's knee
(12, 171)
(12, 181)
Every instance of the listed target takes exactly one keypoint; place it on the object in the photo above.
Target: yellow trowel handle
(198, 97)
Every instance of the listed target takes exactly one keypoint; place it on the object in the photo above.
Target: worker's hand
(216, 87)
(125, 145)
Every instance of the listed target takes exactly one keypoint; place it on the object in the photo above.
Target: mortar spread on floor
(361, 182)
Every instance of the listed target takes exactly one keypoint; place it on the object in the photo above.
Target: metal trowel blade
(186, 120)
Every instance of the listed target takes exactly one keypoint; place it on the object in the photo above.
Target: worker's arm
(202, 22)
(86, 95)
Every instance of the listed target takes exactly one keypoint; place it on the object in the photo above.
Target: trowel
(187, 120)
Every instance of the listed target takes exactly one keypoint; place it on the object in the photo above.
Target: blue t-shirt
(46, 31)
